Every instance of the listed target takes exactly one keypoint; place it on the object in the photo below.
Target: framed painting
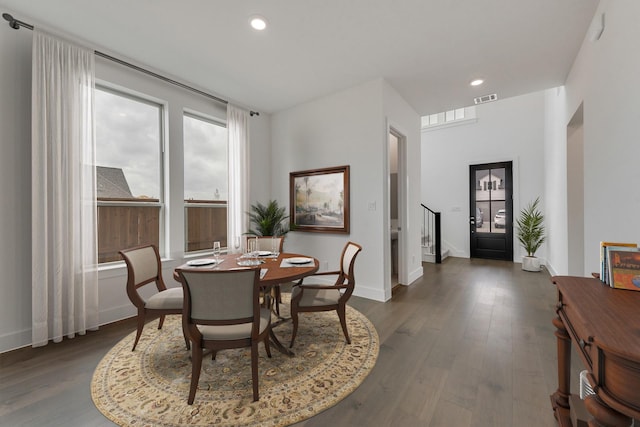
(319, 200)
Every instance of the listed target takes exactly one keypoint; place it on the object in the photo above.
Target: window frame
(197, 115)
(161, 203)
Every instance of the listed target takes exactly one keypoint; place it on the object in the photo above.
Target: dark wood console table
(604, 324)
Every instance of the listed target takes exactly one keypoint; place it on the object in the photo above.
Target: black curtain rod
(16, 24)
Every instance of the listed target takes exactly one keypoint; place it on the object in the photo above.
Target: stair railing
(431, 233)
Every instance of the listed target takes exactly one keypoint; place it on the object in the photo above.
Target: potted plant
(269, 220)
(531, 234)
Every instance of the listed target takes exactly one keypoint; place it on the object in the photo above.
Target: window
(205, 182)
(129, 172)
(450, 117)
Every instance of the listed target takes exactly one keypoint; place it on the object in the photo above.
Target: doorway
(575, 193)
(397, 176)
(491, 211)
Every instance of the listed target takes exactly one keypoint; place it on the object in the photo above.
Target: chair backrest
(347, 262)
(221, 297)
(264, 242)
(143, 267)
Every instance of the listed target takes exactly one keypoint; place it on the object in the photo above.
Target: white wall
(15, 191)
(575, 195)
(403, 119)
(15, 171)
(511, 129)
(605, 78)
(346, 128)
(555, 187)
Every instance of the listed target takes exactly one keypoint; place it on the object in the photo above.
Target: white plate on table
(201, 262)
(299, 260)
(264, 253)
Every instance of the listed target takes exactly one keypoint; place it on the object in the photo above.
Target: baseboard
(117, 313)
(552, 271)
(20, 339)
(370, 293)
(15, 340)
(416, 274)
(431, 258)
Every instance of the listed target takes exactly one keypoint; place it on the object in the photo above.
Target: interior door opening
(575, 193)
(397, 175)
(393, 205)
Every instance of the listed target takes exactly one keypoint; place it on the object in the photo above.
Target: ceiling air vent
(485, 98)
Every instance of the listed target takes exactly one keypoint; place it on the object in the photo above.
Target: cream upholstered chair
(222, 311)
(143, 268)
(265, 243)
(310, 298)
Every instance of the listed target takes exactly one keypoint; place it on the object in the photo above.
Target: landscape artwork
(320, 200)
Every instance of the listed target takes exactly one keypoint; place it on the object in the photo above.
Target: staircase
(431, 238)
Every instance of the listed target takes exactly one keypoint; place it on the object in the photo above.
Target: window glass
(128, 172)
(449, 116)
(205, 183)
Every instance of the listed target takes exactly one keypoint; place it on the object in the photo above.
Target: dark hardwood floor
(469, 344)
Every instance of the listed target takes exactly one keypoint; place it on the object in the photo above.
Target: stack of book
(620, 265)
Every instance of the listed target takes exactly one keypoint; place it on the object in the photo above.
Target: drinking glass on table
(255, 249)
(216, 252)
(275, 246)
(251, 249)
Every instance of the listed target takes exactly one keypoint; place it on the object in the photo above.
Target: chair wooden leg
(139, 330)
(294, 319)
(161, 322)
(343, 322)
(277, 298)
(254, 369)
(196, 365)
(267, 346)
(187, 342)
(186, 337)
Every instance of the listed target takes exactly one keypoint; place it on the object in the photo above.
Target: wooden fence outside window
(127, 223)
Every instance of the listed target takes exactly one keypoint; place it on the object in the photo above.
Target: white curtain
(64, 277)
(238, 205)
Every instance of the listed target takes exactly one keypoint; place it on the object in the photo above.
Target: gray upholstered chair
(315, 297)
(222, 311)
(143, 268)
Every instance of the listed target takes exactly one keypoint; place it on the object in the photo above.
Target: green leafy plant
(531, 227)
(269, 220)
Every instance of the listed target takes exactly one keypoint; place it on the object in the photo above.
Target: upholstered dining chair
(317, 297)
(222, 311)
(143, 268)
(265, 243)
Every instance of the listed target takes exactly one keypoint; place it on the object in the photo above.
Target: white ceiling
(428, 50)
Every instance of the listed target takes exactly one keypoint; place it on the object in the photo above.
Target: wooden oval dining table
(278, 271)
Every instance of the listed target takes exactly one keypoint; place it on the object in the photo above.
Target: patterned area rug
(150, 386)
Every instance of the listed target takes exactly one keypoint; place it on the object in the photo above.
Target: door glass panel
(491, 215)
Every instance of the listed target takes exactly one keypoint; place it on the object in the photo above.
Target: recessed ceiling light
(476, 82)
(258, 23)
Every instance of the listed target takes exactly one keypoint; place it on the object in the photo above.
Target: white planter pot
(531, 263)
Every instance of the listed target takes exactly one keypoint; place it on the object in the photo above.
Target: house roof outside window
(112, 184)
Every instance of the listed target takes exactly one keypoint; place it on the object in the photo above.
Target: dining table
(275, 269)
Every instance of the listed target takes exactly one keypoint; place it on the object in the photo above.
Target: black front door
(490, 219)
